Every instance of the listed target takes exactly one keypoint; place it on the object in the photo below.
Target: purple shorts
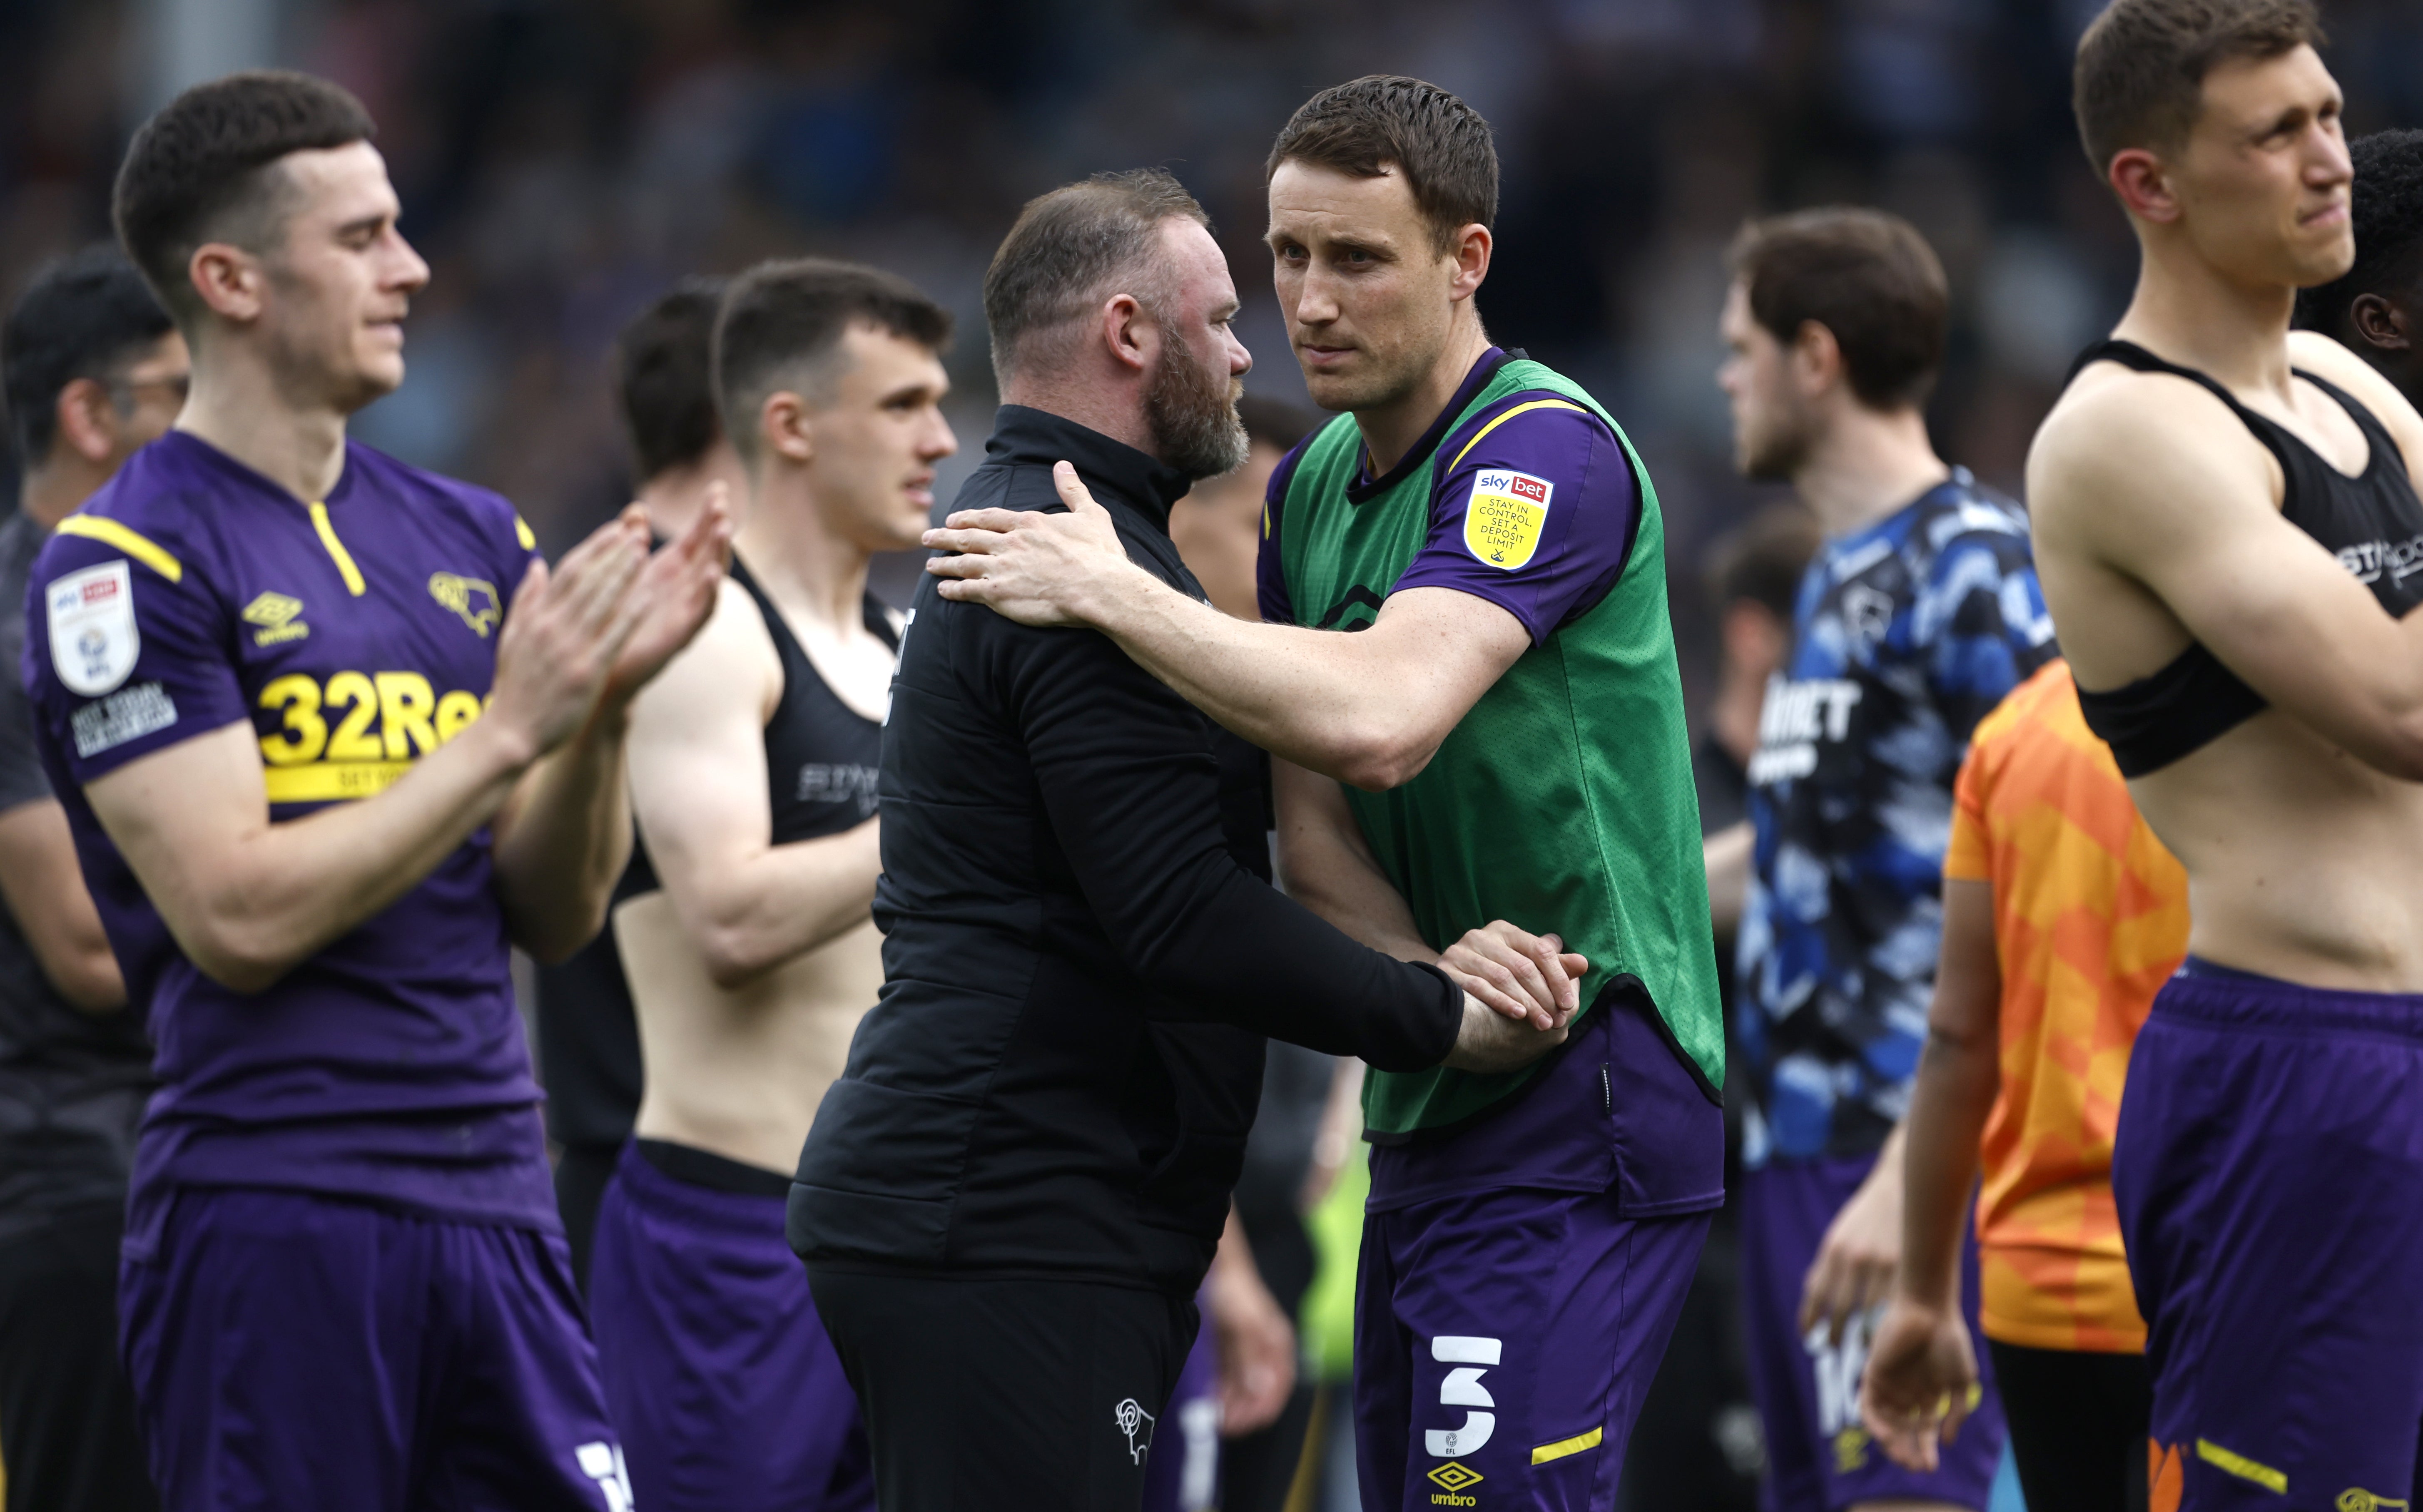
(2269, 1171)
(1503, 1341)
(293, 1350)
(1818, 1456)
(718, 1373)
(1183, 1473)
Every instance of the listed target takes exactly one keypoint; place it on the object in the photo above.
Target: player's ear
(229, 278)
(85, 417)
(1470, 251)
(2379, 323)
(1129, 333)
(2143, 185)
(1814, 358)
(785, 428)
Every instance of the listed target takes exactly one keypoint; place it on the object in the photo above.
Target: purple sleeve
(1537, 515)
(516, 546)
(122, 660)
(1270, 577)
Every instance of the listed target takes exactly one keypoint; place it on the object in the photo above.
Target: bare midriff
(2302, 862)
(739, 1072)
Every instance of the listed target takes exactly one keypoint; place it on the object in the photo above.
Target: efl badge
(94, 638)
(1502, 521)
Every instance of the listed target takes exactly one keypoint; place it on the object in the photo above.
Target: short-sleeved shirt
(2090, 918)
(1905, 634)
(352, 636)
(71, 1083)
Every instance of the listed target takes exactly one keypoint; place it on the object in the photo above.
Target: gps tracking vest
(1562, 801)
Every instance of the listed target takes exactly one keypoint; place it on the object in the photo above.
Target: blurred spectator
(94, 372)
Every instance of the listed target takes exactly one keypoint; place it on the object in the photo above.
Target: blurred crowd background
(560, 161)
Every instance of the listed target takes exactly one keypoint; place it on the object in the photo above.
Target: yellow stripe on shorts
(2242, 1467)
(1567, 1446)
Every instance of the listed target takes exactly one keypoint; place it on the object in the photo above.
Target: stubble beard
(1774, 455)
(1193, 416)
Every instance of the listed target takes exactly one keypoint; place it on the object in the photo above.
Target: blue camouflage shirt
(1906, 633)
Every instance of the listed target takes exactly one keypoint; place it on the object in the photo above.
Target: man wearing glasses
(93, 371)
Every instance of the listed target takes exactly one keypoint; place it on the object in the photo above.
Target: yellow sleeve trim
(337, 552)
(2242, 1467)
(522, 532)
(1578, 1442)
(142, 548)
(1519, 409)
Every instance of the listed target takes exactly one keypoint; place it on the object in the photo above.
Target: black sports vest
(2372, 522)
(820, 753)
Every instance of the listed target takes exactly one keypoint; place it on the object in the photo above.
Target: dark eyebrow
(363, 222)
(2288, 120)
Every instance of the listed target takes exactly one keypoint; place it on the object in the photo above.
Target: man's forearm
(1949, 1104)
(248, 900)
(747, 919)
(1325, 865)
(1304, 695)
(563, 841)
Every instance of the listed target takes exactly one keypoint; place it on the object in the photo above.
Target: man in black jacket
(1009, 1200)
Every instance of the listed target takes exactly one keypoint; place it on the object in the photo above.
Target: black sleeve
(21, 780)
(1132, 790)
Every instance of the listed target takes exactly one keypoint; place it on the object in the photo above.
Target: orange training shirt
(2090, 916)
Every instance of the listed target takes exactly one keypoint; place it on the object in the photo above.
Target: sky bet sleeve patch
(1503, 518)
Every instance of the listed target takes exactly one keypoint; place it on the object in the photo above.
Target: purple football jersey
(353, 636)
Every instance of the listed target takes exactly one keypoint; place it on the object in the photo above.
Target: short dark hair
(781, 323)
(2138, 80)
(2387, 212)
(201, 168)
(664, 378)
(1763, 560)
(1274, 422)
(1440, 144)
(1866, 275)
(82, 316)
(1069, 246)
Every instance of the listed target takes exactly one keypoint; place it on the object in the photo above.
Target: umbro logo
(275, 613)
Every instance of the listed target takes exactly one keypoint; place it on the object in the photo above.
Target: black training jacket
(1081, 951)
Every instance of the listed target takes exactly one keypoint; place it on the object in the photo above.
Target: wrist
(503, 740)
(1112, 600)
(1935, 1296)
(608, 723)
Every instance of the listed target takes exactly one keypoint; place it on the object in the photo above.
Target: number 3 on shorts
(602, 1463)
(1462, 1388)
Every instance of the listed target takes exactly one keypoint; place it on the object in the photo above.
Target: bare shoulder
(2318, 354)
(2121, 447)
(731, 659)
